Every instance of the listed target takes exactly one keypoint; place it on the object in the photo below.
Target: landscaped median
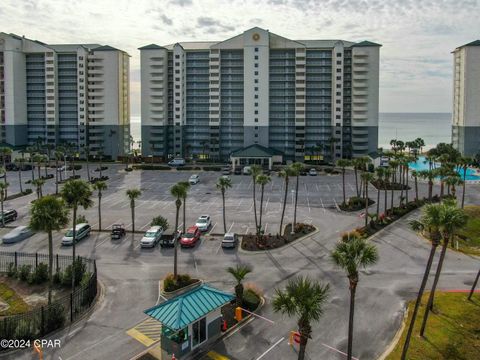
(453, 330)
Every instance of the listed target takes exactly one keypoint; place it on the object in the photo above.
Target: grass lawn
(469, 236)
(15, 302)
(453, 332)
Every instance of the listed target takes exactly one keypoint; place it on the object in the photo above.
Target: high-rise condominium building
(54, 94)
(300, 97)
(466, 98)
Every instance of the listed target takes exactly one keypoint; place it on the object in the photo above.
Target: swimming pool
(422, 164)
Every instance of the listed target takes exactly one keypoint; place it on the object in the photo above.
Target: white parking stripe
(270, 348)
(230, 228)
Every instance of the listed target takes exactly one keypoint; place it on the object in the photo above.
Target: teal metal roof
(366, 43)
(186, 308)
(256, 150)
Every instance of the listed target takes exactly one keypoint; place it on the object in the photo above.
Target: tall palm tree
(386, 182)
(100, 161)
(393, 164)
(379, 172)
(305, 299)
(86, 151)
(224, 183)
(76, 193)
(186, 185)
(20, 164)
(46, 161)
(38, 183)
(38, 158)
(255, 171)
(366, 178)
(3, 197)
(5, 152)
(285, 173)
(451, 219)
(474, 286)
(452, 181)
(430, 176)
(239, 272)
(464, 163)
(262, 180)
(356, 165)
(342, 164)
(408, 160)
(178, 192)
(49, 214)
(100, 186)
(133, 194)
(430, 221)
(297, 168)
(351, 255)
(415, 178)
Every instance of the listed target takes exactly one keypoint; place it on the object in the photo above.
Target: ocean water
(431, 127)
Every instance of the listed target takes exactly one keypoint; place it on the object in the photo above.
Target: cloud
(166, 20)
(181, 2)
(212, 25)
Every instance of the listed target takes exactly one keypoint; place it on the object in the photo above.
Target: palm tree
(474, 286)
(133, 194)
(304, 298)
(100, 186)
(100, 158)
(297, 168)
(285, 173)
(393, 164)
(224, 183)
(49, 214)
(178, 192)
(350, 255)
(20, 161)
(38, 183)
(262, 180)
(3, 196)
(386, 176)
(46, 161)
(380, 172)
(464, 163)
(38, 158)
(408, 160)
(430, 176)
(415, 178)
(76, 193)
(430, 221)
(356, 165)
(451, 219)
(86, 151)
(255, 171)
(343, 163)
(58, 157)
(239, 272)
(5, 152)
(452, 181)
(366, 177)
(186, 185)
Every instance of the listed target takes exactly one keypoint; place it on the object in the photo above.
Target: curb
(396, 338)
(174, 293)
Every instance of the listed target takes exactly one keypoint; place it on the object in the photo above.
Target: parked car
(18, 234)
(177, 162)
(8, 215)
(151, 237)
(81, 231)
(230, 240)
(247, 170)
(194, 179)
(191, 236)
(303, 172)
(226, 177)
(312, 172)
(237, 171)
(226, 171)
(11, 167)
(203, 223)
(170, 240)
(118, 231)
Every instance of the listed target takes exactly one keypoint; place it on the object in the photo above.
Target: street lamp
(292, 230)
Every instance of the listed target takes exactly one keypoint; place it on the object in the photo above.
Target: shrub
(24, 272)
(12, 271)
(172, 284)
(212, 168)
(128, 169)
(54, 317)
(81, 219)
(250, 300)
(151, 167)
(57, 277)
(27, 191)
(79, 269)
(49, 176)
(24, 330)
(39, 274)
(160, 221)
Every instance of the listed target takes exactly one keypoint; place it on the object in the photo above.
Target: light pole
(292, 230)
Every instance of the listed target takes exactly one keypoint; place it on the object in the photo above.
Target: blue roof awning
(186, 308)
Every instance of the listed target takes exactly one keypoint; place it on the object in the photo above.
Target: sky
(417, 35)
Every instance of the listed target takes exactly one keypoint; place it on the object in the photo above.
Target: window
(177, 56)
(80, 58)
(338, 101)
(337, 124)
(256, 81)
(256, 65)
(339, 86)
(339, 78)
(256, 73)
(256, 120)
(256, 112)
(339, 62)
(256, 127)
(177, 101)
(338, 117)
(339, 54)
(338, 109)
(255, 88)
(177, 79)
(199, 330)
(177, 63)
(256, 135)
(256, 57)
(177, 109)
(339, 70)
(177, 94)
(339, 93)
(177, 71)
(177, 86)
(256, 49)
(256, 104)
(256, 96)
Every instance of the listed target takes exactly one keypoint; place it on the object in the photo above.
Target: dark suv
(8, 215)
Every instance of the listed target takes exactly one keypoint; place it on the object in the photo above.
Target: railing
(61, 312)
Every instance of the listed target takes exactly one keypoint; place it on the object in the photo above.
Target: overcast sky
(417, 35)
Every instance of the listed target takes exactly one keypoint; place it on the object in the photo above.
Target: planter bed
(251, 242)
(389, 185)
(17, 195)
(355, 204)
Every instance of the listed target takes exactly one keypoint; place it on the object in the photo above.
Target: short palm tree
(224, 183)
(20, 163)
(386, 181)
(178, 191)
(255, 171)
(86, 151)
(5, 152)
(464, 163)
(351, 255)
(76, 193)
(49, 214)
(133, 194)
(380, 173)
(38, 183)
(366, 178)
(297, 168)
(305, 299)
(3, 197)
(186, 185)
(285, 173)
(452, 181)
(38, 158)
(415, 178)
(239, 272)
(342, 164)
(100, 186)
(428, 175)
(262, 180)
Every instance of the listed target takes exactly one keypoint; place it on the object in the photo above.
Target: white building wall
(471, 87)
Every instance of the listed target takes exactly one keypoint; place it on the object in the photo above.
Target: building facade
(55, 94)
(300, 97)
(466, 99)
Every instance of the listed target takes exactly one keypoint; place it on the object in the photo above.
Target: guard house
(190, 320)
(256, 154)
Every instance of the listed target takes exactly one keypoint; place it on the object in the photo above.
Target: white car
(18, 234)
(203, 222)
(81, 231)
(151, 237)
(312, 172)
(230, 240)
(194, 179)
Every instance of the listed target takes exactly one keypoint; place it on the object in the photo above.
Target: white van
(177, 162)
(82, 231)
(247, 170)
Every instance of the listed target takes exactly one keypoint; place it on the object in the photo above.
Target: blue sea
(431, 127)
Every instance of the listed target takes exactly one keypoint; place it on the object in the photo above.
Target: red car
(190, 238)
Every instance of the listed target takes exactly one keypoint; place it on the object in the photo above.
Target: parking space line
(266, 205)
(230, 228)
(246, 231)
(323, 206)
(213, 227)
(270, 348)
(308, 203)
(317, 188)
(266, 224)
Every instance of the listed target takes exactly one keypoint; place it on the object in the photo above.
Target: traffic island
(253, 242)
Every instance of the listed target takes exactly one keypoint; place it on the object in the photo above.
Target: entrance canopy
(185, 309)
(256, 154)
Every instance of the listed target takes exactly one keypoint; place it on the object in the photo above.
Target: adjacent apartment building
(300, 97)
(54, 94)
(466, 99)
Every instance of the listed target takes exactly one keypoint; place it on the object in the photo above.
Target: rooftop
(256, 150)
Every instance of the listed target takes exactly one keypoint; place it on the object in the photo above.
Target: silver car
(230, 240)
(18, 234)
(203, 222)
(151, 237)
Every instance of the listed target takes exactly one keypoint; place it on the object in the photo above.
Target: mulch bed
(251, 242)
(389, 185)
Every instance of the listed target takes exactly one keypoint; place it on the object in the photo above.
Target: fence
(42, 320)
